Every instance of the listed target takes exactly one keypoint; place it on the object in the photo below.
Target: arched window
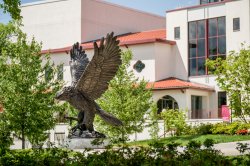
(167, 102)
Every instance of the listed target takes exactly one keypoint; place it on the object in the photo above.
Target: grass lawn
(183, 140)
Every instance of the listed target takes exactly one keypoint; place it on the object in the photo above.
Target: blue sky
(152, 6)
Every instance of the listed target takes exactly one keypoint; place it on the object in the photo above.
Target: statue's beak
(58, 94)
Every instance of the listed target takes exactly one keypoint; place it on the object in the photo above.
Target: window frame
(175, 33)
(206, 37)
(234, 19)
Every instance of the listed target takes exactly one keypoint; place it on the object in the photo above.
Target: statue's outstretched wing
(101, 69)
(78, 63)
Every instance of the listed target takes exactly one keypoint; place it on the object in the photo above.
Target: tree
(128, 99)
(12, 7)
(25, 94)
(5, 134)
(174, 120)
(234, 78)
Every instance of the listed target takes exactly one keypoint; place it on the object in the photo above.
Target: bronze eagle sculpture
(90, 81)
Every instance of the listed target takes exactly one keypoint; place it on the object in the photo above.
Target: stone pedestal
(83, 143)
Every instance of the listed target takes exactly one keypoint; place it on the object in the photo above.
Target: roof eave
(184, 87)
(125, 43)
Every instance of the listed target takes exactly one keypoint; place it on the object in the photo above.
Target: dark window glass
(192, 64)
(201, 48)
(204, 1)
(209, 1)
(212, 46)
(212, 27)
(236, 24)
(177, 32)
(201, 66)
(222, 45)
(206, 43)
(192, 30)
(222, 99)
(192, 48)
(221, 26)
(167, 102)
(201, 29)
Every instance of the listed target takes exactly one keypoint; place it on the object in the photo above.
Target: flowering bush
(242, 132)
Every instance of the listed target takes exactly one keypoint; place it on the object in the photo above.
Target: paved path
(228, 149)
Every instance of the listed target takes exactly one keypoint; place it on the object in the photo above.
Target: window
(236, 24)
(196, 107)
(139, 66)
(222, 100)
(209, 1)
(167, 102)
(207, 39)
(177, 33)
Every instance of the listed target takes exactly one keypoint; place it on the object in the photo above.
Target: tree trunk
(23, 139)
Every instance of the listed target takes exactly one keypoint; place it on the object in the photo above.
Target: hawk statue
(89, 81)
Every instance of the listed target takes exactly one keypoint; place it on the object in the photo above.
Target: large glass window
(196, 107)
(207, 39)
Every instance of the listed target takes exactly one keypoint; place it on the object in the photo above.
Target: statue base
(86, 143)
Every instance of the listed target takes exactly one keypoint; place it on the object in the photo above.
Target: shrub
(219, 128)
(156, 154)
(204, 129)
(242, 132)
(174, 120)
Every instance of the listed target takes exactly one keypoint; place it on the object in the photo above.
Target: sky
(157, 7)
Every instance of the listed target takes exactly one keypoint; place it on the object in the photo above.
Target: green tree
(12, 7)
(27, 97)
(128, 99)
(5, 134)
(234, 78)
(153, 118)
(174, 120)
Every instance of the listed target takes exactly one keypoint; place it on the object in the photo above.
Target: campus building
(171, 56)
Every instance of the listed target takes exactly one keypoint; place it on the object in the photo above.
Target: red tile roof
(126, 39)
(175, 83)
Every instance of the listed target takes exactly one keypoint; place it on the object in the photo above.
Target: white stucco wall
(164, 61)
(179, 19)
(55, 23)
(238, 9)
(145, 53)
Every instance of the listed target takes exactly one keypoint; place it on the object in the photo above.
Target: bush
(219, 128)
(204, 129)
(174, 120)
(156, 154)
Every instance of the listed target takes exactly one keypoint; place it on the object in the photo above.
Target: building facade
(173, 58)
(59, 23)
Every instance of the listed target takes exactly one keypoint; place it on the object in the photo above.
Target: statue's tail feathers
(107, 117)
